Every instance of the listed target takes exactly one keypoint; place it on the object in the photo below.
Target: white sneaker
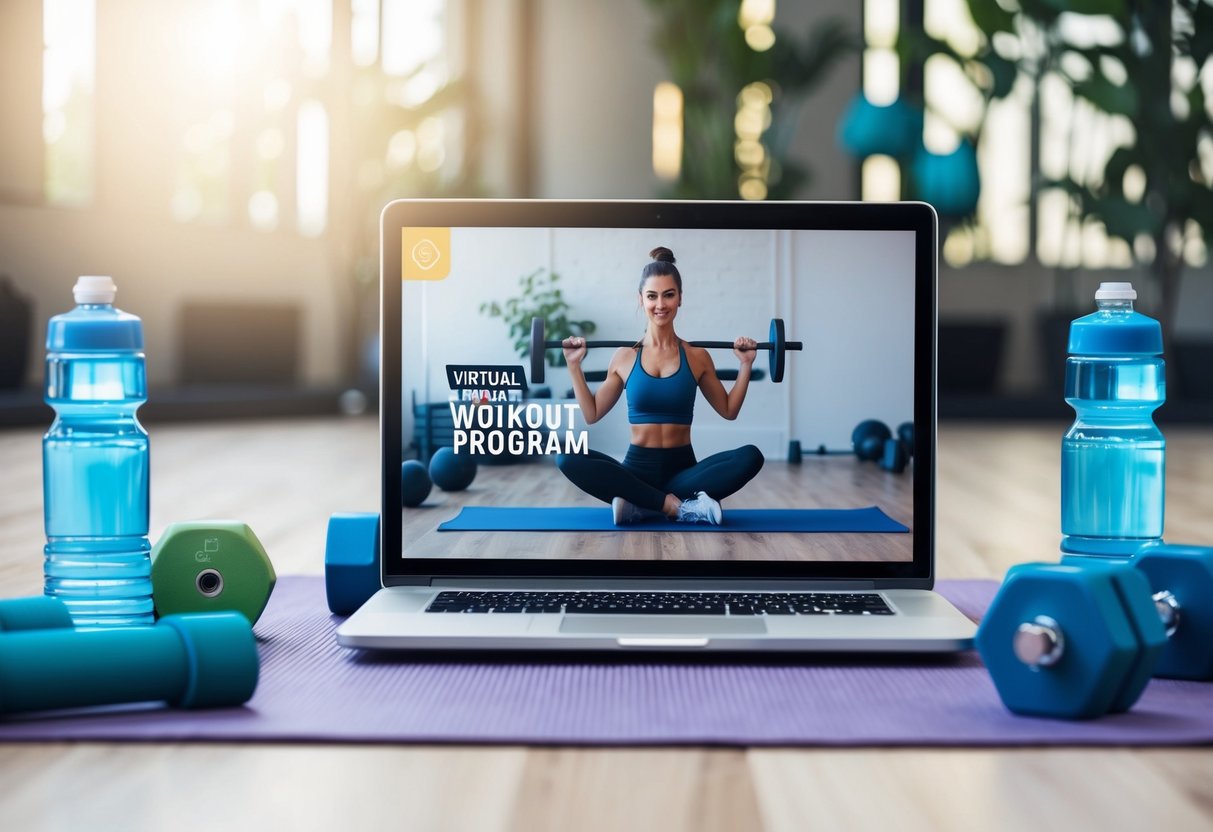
(701, 509)
(624, 513)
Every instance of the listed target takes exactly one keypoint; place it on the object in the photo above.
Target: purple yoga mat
(312, 690)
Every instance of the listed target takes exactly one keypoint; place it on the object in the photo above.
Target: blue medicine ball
(451, 471)
(415, 483)
(869, 437)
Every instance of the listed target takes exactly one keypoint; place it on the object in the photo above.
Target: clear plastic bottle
(1113, 457)
(95, 462)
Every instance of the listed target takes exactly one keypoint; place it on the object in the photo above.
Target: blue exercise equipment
(868, 438)
(451, 471)
(351, 561)
(1070, 642)
(1082, 638)
(873, 441)
(206, 660)
(415, 483)
(38, 612)
(1181, 582)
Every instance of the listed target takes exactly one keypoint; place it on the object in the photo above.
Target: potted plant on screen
(539, 296)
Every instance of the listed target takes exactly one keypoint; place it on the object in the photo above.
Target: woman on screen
(661, 373)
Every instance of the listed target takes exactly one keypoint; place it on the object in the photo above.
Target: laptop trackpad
(655, 625)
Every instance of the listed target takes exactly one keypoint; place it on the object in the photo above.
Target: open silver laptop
(798, 545)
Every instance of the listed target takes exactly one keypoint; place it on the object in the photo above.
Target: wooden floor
(818, 482)
(998, 505)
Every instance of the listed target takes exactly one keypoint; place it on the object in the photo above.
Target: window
(1039, 132)
(232, 112)
(68, 70)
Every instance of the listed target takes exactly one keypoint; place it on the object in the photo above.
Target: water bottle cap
(1123, 333)
(95, 325)
(91, 288)
(1115, 291)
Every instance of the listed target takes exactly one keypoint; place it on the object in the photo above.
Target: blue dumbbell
(1073, 642)
(38, 612)
(351, 561)
(1058, 635)
(204, 660)
(1181, 587)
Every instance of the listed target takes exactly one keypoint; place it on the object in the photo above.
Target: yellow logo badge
(425, 253)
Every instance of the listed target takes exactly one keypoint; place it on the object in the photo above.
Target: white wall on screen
(847, 295)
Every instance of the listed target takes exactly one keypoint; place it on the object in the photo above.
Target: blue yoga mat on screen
(311, 690)
(595, 519)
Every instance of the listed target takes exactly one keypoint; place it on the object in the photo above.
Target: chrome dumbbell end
(1039, 643)
(1168, 610)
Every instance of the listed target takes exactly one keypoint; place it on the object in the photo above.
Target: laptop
(658, 489)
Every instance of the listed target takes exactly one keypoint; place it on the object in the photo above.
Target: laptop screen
(638, 389)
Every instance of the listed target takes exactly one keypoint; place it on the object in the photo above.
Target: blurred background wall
(225, 160)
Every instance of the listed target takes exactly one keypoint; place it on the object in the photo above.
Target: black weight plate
(537, 350)
(776, 356)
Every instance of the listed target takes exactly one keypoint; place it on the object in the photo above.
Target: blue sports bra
(661, 401)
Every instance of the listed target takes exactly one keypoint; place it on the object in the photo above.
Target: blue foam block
(351, 561)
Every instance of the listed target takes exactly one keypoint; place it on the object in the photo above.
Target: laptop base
(395, 618)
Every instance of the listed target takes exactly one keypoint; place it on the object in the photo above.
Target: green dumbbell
(211, 566)
(1073, 642)
(189, 661)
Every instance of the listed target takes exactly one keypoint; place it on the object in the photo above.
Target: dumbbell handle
(1040, 642)
(1168, 611)
(190, 661)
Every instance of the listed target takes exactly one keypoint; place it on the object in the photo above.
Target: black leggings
(646, 475)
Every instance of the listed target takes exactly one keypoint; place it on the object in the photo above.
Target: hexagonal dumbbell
(211, 566)
(1181, 587)
(1068, 641)
(351, 561)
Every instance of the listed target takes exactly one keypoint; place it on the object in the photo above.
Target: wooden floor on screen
(818, 482)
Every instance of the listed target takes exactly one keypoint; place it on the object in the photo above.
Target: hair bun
(662, 255)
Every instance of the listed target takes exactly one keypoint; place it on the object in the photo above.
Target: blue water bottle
(1113, 457)
(95, 462)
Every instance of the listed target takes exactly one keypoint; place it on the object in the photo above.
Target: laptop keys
(662, 603)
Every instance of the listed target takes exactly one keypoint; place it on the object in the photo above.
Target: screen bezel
(917, 217)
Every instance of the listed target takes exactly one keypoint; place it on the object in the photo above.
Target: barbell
(778, 346)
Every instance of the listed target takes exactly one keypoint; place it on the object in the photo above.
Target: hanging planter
(869, 129)
(950, 182)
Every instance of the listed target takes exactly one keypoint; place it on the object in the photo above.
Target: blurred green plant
(1148, 69)
(538, 297)
(708, 58)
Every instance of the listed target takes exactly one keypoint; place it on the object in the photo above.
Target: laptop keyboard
(663, 603)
